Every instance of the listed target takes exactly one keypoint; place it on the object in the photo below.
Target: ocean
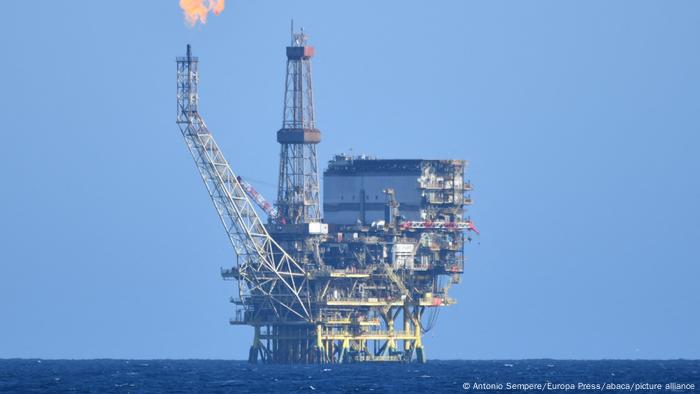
(204, 376)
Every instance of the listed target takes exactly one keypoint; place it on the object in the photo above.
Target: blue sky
(580, 121)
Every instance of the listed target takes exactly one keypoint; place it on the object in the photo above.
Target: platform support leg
(255, 348)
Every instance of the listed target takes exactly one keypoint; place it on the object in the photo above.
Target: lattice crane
(264, 269)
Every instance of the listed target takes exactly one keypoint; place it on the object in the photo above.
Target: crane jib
(265, 268)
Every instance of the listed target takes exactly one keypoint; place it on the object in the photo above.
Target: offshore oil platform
(362, 282)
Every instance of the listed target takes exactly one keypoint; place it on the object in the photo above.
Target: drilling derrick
(362, 283)
(298, 191)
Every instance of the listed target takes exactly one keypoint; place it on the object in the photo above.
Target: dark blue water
(186, 376)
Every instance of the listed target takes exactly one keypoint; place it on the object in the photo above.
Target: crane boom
(261, 201)
(264, 269)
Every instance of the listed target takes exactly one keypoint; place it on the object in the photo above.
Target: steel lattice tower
(298, 189)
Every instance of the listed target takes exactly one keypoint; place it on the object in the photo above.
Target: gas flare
(197, 10)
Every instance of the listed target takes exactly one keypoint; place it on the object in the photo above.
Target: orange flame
(197, 10)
